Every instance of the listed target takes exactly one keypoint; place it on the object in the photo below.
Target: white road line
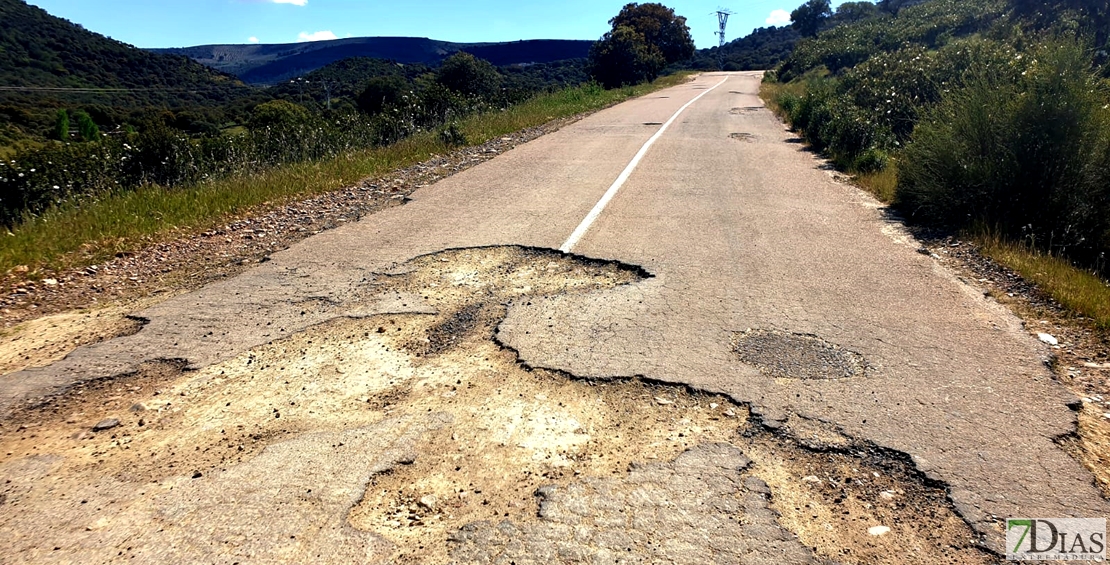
(627, 172)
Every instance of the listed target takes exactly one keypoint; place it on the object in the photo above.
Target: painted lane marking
(627, 172)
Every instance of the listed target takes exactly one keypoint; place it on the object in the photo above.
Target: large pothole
(416, 438)
(42, 341)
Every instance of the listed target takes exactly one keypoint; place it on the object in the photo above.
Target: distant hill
(38, 50)
(271, 64)
(47, 63)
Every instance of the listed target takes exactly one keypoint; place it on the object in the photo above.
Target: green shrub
(1027, 152)
(61, 125)
(383, 92)
(86, 127)
(871, 160)
(468, 75)
(278, 113)
(452, 136)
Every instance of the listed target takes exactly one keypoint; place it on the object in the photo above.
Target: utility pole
(722, 18)
(327, 91)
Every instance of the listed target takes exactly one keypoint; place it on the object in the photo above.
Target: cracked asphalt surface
(736, 237)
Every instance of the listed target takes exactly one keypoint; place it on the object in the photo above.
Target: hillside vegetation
(977, 114)
(40, 53)
(762, 49)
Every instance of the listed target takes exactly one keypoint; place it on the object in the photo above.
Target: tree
(277, 113)
(86, 127)
(466, 74)
(61, 125)
(644, 39)
(893, 6)
(855, 11)
(623, 57)
(808, 18)
(660, 27)
(381, 93)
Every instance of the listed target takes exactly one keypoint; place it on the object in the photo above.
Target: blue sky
(178, 23)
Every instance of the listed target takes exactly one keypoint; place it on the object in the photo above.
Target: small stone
(50, 282)
(887, 495)
(663, 401)
(1106, 415)
(713, 405)
(756, 485)
(197, 474)
(138, 407)
(428, 502)
(878, 530)
(1047, 338)
(106, 424)
(730, 413)
(811, 479)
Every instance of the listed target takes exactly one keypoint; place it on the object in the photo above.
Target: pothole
(797, 356)
(742, 136)
(744, 110)
(415, 438)
(42, 341)
(1090, 445)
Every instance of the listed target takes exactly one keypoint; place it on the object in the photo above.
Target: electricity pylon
(722, 18)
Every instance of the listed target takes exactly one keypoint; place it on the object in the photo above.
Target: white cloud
(316, 36)
(293, 2)
(252, 39)
(778, 18)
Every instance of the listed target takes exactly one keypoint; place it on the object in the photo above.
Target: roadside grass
(87, 231)
(772, 93)
(881, 184)
(1075, 289)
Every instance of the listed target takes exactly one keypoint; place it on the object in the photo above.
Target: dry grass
(881, 184)
(1075, 289)
(77, 234)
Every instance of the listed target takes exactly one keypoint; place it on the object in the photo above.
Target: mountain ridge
(276, 62)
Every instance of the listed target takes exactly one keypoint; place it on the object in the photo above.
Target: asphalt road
(767, 277)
